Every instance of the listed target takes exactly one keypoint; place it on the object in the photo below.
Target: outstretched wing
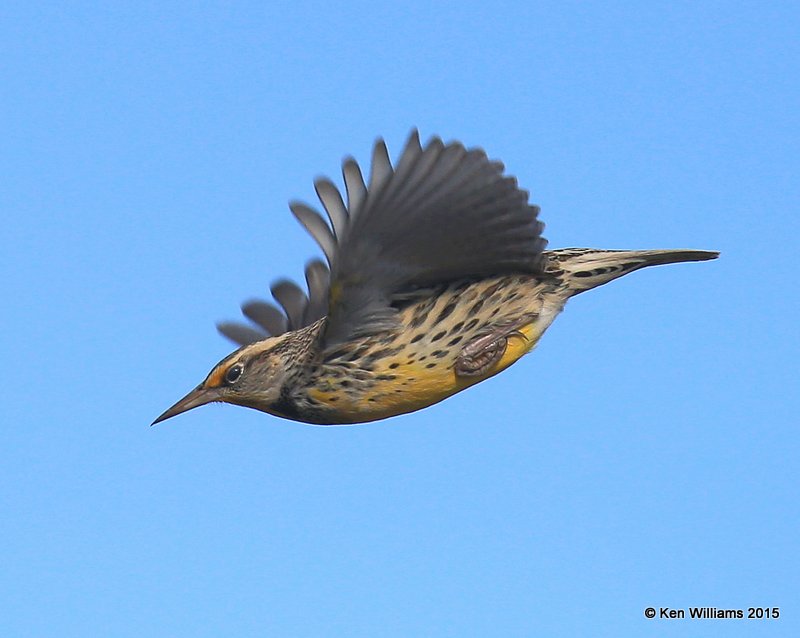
(444, 213)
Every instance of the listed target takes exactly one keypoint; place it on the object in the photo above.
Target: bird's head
(252, 376)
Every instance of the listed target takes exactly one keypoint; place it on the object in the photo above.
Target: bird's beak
(197, 397)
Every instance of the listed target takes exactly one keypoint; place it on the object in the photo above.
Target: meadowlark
(437, 278)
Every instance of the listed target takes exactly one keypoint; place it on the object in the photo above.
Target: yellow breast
(408, 387)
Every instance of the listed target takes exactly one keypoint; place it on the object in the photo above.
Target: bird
(436, 277)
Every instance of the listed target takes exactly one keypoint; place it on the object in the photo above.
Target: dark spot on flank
(440, 353)
(394, 365)
(476, 308)
(416, 338)
(417, 321)
(447, 310)
(345, 383)
(386, 377)
(490, 290)
(454, 341)
(583, 273)
(438, 335)
(472, 323)
(431, 365)
(333, 399)
(457, 327)
(495, 311)
(423, 357)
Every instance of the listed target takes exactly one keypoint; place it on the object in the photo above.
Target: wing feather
(381, 168)
(239, 333)
(354, 184)
(318, 279)
(293, 301)
(313, 222)
(266, 316)
(332, 201)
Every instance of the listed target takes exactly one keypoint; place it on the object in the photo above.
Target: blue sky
(644, 455)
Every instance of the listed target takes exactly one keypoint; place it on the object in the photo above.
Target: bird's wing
(444, 213)
(299, 309)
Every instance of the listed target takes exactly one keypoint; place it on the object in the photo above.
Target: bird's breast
(414, 367)
(406, 387)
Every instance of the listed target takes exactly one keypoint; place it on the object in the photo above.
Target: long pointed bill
(197, 397)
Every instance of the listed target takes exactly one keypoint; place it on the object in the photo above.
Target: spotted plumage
(437, 279)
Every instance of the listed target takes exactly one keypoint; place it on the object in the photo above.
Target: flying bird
(437, 278)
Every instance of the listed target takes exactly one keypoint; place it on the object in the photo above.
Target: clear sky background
(645, 455)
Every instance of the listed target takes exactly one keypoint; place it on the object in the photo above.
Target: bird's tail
(587, 268)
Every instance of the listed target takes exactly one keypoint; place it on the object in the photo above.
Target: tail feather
(587, 268)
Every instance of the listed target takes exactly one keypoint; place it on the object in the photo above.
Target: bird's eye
(233, 373)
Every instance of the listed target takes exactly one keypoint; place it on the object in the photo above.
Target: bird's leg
(482, 352)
